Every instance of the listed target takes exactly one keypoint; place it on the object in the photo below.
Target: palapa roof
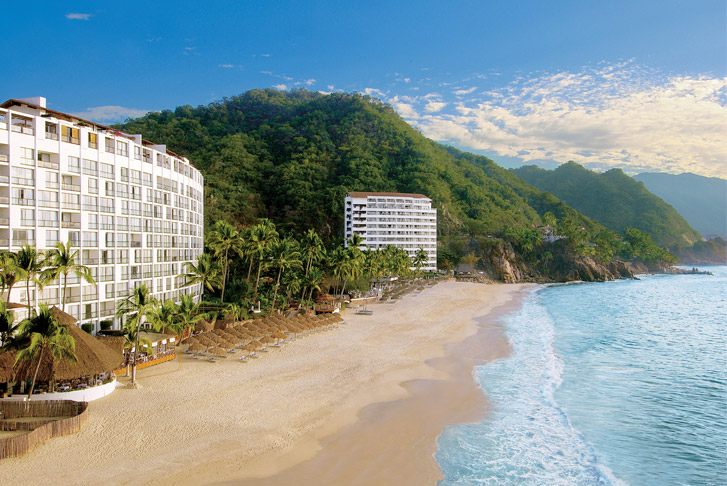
(94, 356)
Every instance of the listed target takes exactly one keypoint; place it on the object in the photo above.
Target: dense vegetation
(292, 156)
(613, 199)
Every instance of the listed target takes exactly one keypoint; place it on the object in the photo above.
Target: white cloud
(462, 92)
(375, 92)
(226, 66)
(281, 87)
(309, 82)
(110, 114)
(78, 16)
(613, 115)
(191, 51)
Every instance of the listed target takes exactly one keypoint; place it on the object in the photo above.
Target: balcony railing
(71, 187)
(48, 164)
(4, 221)
(23, 201)
(71, 224)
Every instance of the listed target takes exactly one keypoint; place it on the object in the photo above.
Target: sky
(639, 85)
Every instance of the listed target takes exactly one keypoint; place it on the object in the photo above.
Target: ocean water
(616, 383)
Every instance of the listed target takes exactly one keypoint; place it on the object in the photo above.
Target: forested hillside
(292, 157)
(615, 200)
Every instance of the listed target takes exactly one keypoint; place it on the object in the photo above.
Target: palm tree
(138, 306)
(188, 313)
(45, 332)
(311, 248)
(131, 342)
(7, 329)
(205, 272)
(262, 236)
(223, 240)
(419, 259)
(62, 261)
(32, 262)
(10, 272)
(165, 317)
(285, 257)
(313, 281)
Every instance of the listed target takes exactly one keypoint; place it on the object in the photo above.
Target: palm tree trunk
(224, 279)
(249, 269)
(35, 375)
(27, 291)
(302, 297)
(136, 351)
(259, 268)
(277, 285)
(65, 285)
(343, 288)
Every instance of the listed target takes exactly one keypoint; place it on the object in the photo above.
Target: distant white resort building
(132, 209)
(407, 221)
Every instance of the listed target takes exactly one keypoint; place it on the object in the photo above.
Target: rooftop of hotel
(387, 194)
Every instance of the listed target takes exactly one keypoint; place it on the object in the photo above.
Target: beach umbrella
(197, 347)
(218, 351)
(267, 340)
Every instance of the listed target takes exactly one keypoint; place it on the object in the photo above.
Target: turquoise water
(617, 383)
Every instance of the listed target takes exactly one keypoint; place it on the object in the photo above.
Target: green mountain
(613, 199)
(292, 157)
(701, 200)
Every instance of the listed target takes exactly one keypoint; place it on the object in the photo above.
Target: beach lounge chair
(212, 359)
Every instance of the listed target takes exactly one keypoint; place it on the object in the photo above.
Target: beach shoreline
(371, 384)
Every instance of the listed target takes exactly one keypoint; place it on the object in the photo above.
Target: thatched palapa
(94, 356)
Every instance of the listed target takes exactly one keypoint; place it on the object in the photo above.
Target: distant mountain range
(615, 200)
(701, 200)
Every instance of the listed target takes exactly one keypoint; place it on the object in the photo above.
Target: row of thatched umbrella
(253, 335)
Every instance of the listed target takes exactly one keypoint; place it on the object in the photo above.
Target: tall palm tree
(45, 333)
(419, 259)
(311, 248)
(285, 257)
(205, 272)
(262, 236)
(223, 240)
(62, 261)
(32, 263)
(188, 313)
(313, 281)
(138, 306)
(10, 272)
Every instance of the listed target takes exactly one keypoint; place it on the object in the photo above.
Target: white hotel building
(132, 209)
(407, 221)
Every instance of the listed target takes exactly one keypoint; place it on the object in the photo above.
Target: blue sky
(640, 85)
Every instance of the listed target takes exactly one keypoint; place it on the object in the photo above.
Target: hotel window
(147, 156)
(106, 205)
(23, 176)
(74, 164)
(92, 141)
(90, 167)
(27, 156)
(92, 221)
(23, 237)
(27, 217)
(137, 152)
(109, 188)
(48, 199)
(109, 145)
(93, 186)
(135, 193)
(107, 170)
(122, 148)
(69, 134)
(107, 222)
(51, 131)
(48, 218)
(109, 239)
(123, 256)
(147, 180)
(122, 223)
(51, 237)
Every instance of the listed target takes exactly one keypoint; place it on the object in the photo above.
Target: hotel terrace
(132, 209)
(407, 221)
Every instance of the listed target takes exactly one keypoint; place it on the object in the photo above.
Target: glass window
(92, 141)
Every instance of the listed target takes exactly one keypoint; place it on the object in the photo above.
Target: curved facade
(133, 209)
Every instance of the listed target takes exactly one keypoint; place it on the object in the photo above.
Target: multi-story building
(132, 209)
(407, 221)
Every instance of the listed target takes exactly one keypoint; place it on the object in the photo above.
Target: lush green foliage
(613, 199)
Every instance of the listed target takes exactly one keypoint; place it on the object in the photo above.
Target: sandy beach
(359, 405)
